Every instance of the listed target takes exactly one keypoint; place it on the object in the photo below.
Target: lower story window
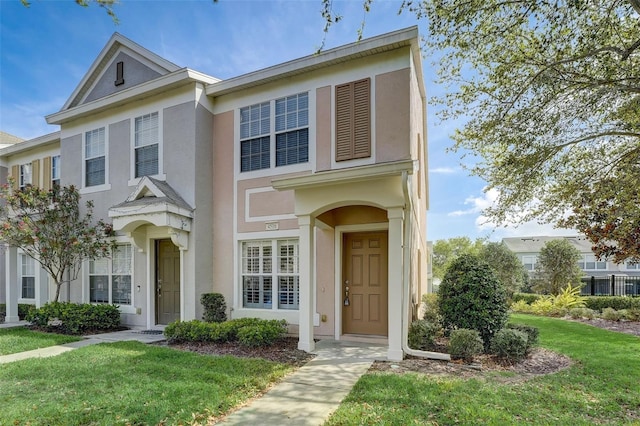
(259, 274)
(28, 276)
(110, 279)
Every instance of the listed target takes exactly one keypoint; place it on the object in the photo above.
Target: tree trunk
(58, 285)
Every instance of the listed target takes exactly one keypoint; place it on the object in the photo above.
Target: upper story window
(292, 130)
(95, 157)
(55, 171)
(529, 262)
(147, 140)
(110, 279)
(632, 266)
(287, 139)
(353, 120)
(590, 262)
(26, 177)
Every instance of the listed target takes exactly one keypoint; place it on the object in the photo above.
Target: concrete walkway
(306, 397)
(312, 393)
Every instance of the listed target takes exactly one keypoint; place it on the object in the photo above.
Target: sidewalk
(312, 393)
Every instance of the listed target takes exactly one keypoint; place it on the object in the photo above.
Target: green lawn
(128, 383)
(602, 387)
(20, 339)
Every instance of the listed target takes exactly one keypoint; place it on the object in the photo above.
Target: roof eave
(173, 80)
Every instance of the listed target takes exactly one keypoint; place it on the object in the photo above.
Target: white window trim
(291, 315)
(22, 184)
(58, 169)
(36, 279)
(273, 170)
(533, 263)
(133, 180)
(86, 283)
(582, 263)
(107, 184)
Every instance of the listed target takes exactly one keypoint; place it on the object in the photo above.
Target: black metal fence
(611, 285)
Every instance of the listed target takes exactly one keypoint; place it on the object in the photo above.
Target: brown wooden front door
(168, 282)
(364, 271)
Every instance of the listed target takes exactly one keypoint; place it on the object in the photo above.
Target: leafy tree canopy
(49, 227)
(557, 267)
(505, 265)
(106, 4)
(446, 251)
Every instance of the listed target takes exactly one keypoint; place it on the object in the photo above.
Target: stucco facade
(299, 191)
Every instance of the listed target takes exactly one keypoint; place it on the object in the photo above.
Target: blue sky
(46, 49)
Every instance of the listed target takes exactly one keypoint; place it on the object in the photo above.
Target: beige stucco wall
(323, 128)
(392, 116)
(325, 282)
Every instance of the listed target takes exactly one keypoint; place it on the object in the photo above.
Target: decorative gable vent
(119, 74)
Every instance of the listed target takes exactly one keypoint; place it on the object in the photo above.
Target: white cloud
(511, 227)
(443, 170)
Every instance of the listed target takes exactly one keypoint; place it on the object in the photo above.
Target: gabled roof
(8, 139)
(150, 192)
(116, 44)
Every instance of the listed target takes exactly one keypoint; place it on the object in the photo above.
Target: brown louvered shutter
(353, 120)
(361, 119)
(344, 123)
(46, 173)
(35, 173)
(15, 174)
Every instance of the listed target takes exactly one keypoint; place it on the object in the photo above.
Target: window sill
(135, 181)
(97, 188)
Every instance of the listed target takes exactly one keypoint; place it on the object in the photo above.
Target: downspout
(406, 298)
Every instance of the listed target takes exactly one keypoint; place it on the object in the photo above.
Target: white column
(396, 283)
(11, 284)
(307, 304)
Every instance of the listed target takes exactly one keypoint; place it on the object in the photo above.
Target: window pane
(121, 292)
(94, 143)
(99, 289)
(255, 154)
(121, 260)
(146, 130)
(99, 267)
(28, 287)
(55, 167)
(288, 293)
(292, 147)
(95, 171)
(147, 160)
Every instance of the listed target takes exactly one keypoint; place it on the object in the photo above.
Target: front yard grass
(600, 388)
(129, 383)
(20, 339)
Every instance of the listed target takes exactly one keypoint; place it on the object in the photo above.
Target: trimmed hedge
(510, 344)
(75, 318)
(528, 298)
(599, 303)
(23, 310)
(252, 332)
(465, 344)
(423, 333)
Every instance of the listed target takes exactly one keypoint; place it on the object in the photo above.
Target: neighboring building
(600, 276)
(7, 139)
(299, 191)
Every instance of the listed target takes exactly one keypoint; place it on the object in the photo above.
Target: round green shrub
(509, 344)
(422, 334)
(531, 332)
(215, 308)
(465, 344)
(611, 314)
(471, 297)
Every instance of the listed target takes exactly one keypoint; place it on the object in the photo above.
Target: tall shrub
(215, 308)
(472, 297)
